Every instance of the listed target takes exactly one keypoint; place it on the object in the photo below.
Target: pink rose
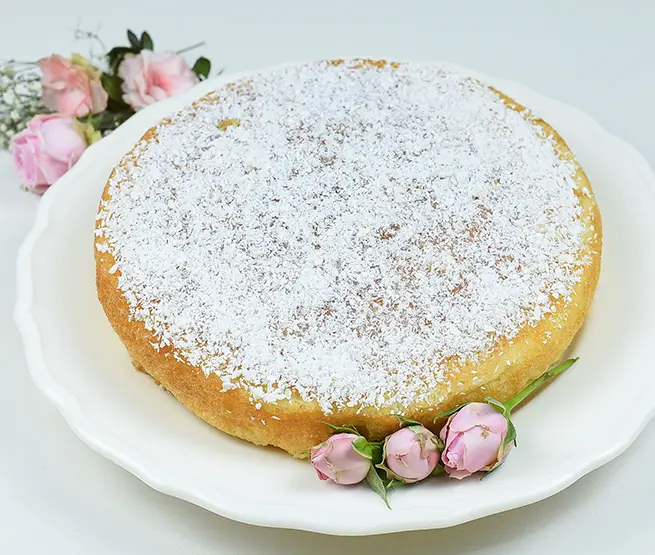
(72, 87)
(152, 76)
(474, 440)
(337, 460)
(46, 149)
(411, 453)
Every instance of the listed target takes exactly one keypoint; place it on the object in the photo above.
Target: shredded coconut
(341, 232)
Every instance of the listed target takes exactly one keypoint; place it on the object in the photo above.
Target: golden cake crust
(295, 425)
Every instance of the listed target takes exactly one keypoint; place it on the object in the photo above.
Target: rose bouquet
(51, 110)
(476, 438)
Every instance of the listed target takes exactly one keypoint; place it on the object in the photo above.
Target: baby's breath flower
(20, 98)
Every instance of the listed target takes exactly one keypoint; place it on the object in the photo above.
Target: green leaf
(395, 483)
(406, 421)
(134, 41)
(502, 409)
(94, 120)
(437, 441)
(341, 429)
(116, 55)
(363, 447)
(511, 433)
(113, 85)
(116, 113)
(202, 67)
(505, 411)
(377, 484)
(390, 474)
(118, 51)
(449, 412)
(91, 134)
(146, 41)
(439, 469)
(377, 448)
(114, 116)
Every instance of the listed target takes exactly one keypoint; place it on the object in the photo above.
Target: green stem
(11, 61)
(529, 389)
(192, 47)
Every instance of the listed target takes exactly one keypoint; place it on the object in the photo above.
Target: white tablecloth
(59, 497)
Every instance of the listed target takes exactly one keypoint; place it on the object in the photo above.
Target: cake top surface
(343, 230)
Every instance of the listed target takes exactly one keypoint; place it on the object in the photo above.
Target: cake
(343, 241)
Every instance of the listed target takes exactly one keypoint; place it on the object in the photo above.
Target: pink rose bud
(72, 87)
(46, 149)
(152, 76)
(337, 460)
(411, 453)
(474, 440)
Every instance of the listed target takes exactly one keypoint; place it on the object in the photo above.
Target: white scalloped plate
(588, 417)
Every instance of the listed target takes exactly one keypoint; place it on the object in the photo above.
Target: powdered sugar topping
(341, 232)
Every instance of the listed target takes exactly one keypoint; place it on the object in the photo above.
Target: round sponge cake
(344, 241)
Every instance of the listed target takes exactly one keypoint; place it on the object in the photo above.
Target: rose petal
(459, 474)
(474, 414)
(152, 76)
(62, 141)
(453, 456)
(25, 152)
(99, 97)
(52, 169)
(481, 449)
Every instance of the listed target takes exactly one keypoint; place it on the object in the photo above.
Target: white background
(59, 497)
